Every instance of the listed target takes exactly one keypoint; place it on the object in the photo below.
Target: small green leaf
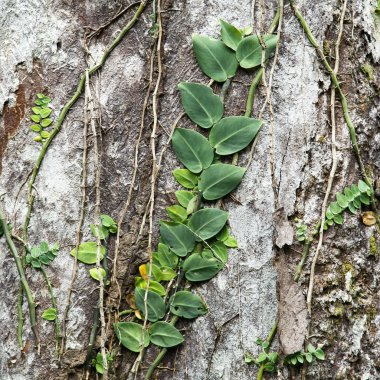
(223, 234)
(40, 96)
(46, 122)
(363, 187)
(356, 202)
(329, 214)
(155, 304)
(219, 180)
(45, 134)
(214, 58)
(167, 273)
(184, 197)
(163, 334)
(44, 247)
(36, 118)
(46, 100)
(44, 259)
(231, 242)
(177, 213)
(38, 102)
(87, 252)
(154, 286)
(300, 359)
(38, 138)
(310, 348)
(198, 268)
(262, 357)
(106, 220)
(233, 133)
(94, 273)
(193, 205)
(220, 251)
(338, 219)
(156, 271)
(309, 357)
(185, 178)
(187, 305)
(178, 237)
(35, 252)
(341, 200)
(207, 222)
(364, 198)
(249, 50)
(103, 231)
(132, 335)
(36, 128)
(293, 360)
(319, 354)
(335, 208)
(352, 208)
(201, 105)
(49, 314)
(45, 112)
(231, 36)
(36, 110)
(349, 194)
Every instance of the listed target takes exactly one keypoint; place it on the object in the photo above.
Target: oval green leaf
(201, 105)
(184, 197)
(185, 178)
(187, 305)
(165, 257)
(178, 237)
(214, 58)
(219, 179)
(207, 222)
(155, 304)
(199, 268)
(177, 213)
(192, 149)
(163, 334)
(132, 335)
(234, 133)
(154, 286)
(49, 314)
(94, 273)
(249, 50)
(87, 252)
(231, 36)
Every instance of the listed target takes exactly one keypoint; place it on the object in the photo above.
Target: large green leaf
(200, 268)
(155, 304)
(249, 50)
(186, 178)
(201, 105)
(214, 58)
(165, 257)
(187, 305)
(164, 334)
(207, 222)
(87, 252)
(231, 36)
(192, 149)
(219, 180)
(234, 133)
(178, 237)
(132, 335)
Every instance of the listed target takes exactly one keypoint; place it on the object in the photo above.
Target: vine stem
(54, 304)
(342, 97)
(269, 340)
(21, 273)
(334, 164)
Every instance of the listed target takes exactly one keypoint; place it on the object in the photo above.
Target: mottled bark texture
(42, 51)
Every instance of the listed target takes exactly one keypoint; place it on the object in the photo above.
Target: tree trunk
(43, 51)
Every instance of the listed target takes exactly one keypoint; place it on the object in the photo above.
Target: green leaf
(231, 36)
(185, 178)
(356, 202)
(165, 257)
(40, 95)
(310, 348)
(154, 286)
(106, 220)
(201, 105)
(94, 273)
(103, 231)
(364, 198)
(155, 304)
(220, 251)
(214, 58)
(319, 354)
(46, 122)
(262, 357)
(177, 213)
(309, 357)
(36, 128)
(363, 187)
(38, 102)
(199, 268)
(193, 205)
(45, 134)
(49, 314)
(187, 305)
(132, 335)
(335, 208)
(87, 252)
(178, 237)
(341, 200)
(36, 118)
(35, 252)
(349, 194)
(44, 247)
(329, 214)
(219, 180)
(167, 273)
(223, 234)
(231, 242)
(249, 50)
(163, 334)
(207, 222)
(300, 359)
(192, 149)
(45, 112)
(44, 259)
(355, 190)
(352, 208)
(36, 110)
(233, 133)
(338, 219)
(156, 271)
(184, 197)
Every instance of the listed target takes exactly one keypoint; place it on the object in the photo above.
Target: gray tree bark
(42, 51)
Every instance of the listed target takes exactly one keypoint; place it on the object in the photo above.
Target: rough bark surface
(42, 51)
